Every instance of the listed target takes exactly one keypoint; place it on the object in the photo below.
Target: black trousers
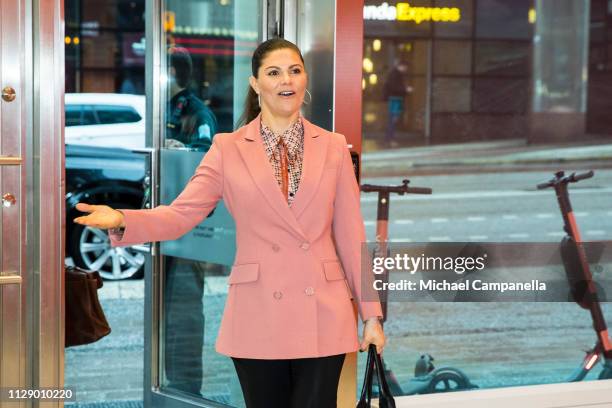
(293, 383)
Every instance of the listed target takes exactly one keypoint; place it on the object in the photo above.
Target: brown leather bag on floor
(85, 320)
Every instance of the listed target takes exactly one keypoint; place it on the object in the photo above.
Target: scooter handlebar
(542, 186)
(560, 178)
(419, 190)
(581, 176)
(403, 189)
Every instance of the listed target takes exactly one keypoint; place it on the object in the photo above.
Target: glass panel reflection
(207, 62)
(451, 94)
(502, 19)
(452, 58)
(502, 58)
(501, 95)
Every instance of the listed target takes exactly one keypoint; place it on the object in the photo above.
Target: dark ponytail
(251, 103)
(251, 107)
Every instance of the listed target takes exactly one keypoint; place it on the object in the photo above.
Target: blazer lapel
(315, 149)
(253, 153)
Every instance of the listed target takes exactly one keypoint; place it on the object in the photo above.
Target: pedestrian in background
(394, 93)
(189, 122)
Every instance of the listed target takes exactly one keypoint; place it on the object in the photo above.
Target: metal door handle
(10, 279)
(8, 94)
(10, 161)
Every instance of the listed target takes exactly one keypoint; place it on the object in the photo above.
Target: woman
(288, 320)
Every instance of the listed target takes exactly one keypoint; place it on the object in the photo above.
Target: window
(73, 115)
(451, 94)
(414, 54)
(452, 57)
(503, 58)
(79, 115)
(507, 19)
(501, 95)
(109, 114)
(88, 117)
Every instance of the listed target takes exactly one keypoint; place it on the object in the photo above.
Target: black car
(111, 176)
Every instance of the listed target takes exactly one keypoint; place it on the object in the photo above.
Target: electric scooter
(583, 288)
(427, 379)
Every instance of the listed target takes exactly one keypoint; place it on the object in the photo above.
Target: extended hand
(373, 334)
(100, 216)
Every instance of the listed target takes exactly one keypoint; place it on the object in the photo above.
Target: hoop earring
(259, 100)
(310, 95)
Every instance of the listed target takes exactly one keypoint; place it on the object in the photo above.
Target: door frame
(46, 228)
(13, 165)
(39, 131)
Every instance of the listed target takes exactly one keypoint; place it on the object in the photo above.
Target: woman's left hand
(373, 334)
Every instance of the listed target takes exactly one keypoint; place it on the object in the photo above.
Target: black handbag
(374, 364)
(85, 320)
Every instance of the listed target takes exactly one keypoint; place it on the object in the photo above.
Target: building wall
(599, 120)
(105, 46)
(472, 78)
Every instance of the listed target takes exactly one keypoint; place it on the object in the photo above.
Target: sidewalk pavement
(507, 155)
(134, 289)
(107, 404)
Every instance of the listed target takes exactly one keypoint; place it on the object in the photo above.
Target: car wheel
(91, 249)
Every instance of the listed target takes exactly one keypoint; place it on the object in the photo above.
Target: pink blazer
(296, 268)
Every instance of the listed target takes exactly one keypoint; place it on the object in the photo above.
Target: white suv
(105, 119)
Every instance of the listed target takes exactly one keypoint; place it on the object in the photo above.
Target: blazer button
(275, 248)
(309, 291)
(278, 295)
(305, 246)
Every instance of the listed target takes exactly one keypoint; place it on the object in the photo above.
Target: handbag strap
(366, 390)
(385, 397)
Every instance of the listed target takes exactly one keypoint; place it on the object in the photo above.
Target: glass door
(198, 79)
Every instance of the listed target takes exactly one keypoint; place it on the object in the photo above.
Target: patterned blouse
(294, 140)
